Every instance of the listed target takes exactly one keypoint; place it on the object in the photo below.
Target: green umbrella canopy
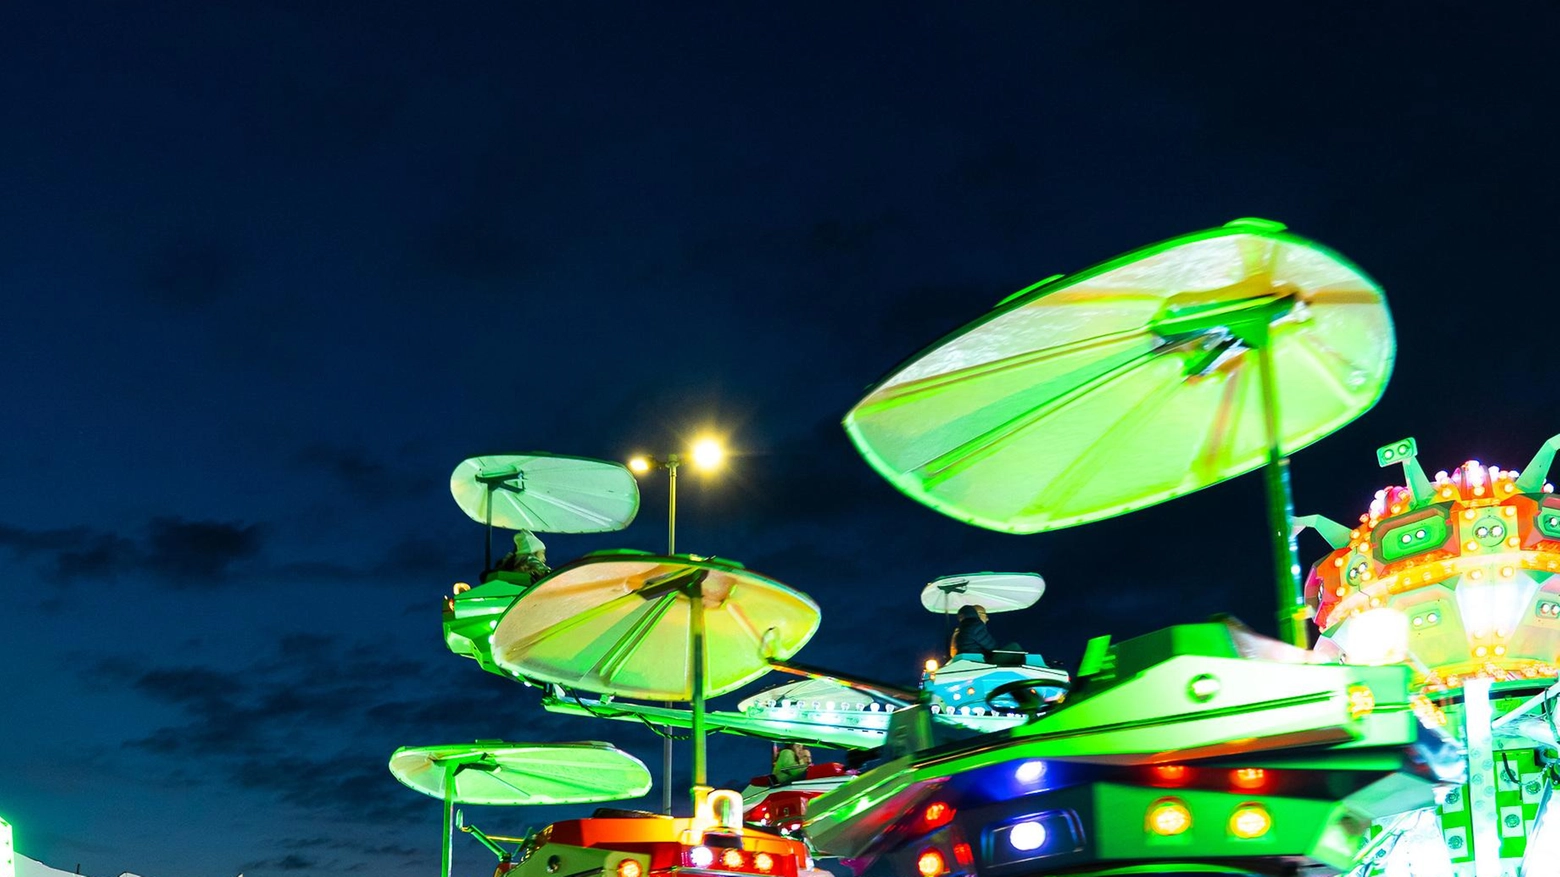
(619, 623)
(546, 493)
(1133, 382)
(522, 773)
(995, 591)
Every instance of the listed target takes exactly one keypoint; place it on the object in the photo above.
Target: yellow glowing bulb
(1250, 821)
(931, 665)
(639, 465)
(707, 453)
(1169, 817)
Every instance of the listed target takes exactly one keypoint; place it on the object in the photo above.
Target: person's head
(972, 611)
(527, 543)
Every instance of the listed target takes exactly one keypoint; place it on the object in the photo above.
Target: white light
(1375, 637)
(1030, 771)
(701, 857)
(707, 453)
(1027, 836)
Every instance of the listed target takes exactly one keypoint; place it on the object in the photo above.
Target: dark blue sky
(272, 269)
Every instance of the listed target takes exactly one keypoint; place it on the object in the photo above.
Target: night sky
(272, 269)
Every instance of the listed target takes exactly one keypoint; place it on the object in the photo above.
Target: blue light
(1030, 771)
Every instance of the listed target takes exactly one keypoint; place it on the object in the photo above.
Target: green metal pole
(696, 636)
(671, 548)
(446, 854)
(671, 506)
(1281, 511)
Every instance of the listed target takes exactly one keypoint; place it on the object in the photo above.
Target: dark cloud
(190, 275)
(190, 554)
(366, 476)
(289, 862)
(71, 553)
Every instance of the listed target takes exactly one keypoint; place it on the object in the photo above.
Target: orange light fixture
(630, 868)
(764, 862)
(930, 863)
(937, 814)
(1248, 778)
(731, 859)
(1171, 774)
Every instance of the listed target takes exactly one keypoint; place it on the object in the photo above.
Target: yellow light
(1362, 701)
(930, 864)
(731, 859)
(1250, 821)
(639, 465)
(931, 665)
(707, 453)
(1169, 817)
(629, 868)
(764, 862)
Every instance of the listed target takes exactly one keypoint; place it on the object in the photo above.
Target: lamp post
(706, 454)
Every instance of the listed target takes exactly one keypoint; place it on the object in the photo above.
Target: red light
(937, 814)
(731, 859)
(963, 854)
(1249, 778)
(930, 864)
(1170, 774)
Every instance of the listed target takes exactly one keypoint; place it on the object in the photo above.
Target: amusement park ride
(1415, 738)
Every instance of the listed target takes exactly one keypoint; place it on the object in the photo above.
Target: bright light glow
(707, 453)
(1204, 687)
(639, 465)
(1170, 773)
(937, 814)
(1375, 637)
(701, 857)
(629, 868)
(930, 863)
(1027, 836)
(963, 854)
(1029, 771)
(1250, 821)
(731, 859)
(1169, 817)
(931, 665)
(1248, 778)
(764, 862)
(1362, 701)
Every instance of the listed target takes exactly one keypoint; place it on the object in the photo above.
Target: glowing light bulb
(1027, 836)
(707, 453)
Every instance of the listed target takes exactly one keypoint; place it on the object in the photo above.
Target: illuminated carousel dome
(1455, 575)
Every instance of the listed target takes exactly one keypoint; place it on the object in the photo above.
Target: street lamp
(706, 454)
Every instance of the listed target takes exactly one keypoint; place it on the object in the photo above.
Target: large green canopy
(1130, 383)
(546, 493)
(620, 624)
(521, 773)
